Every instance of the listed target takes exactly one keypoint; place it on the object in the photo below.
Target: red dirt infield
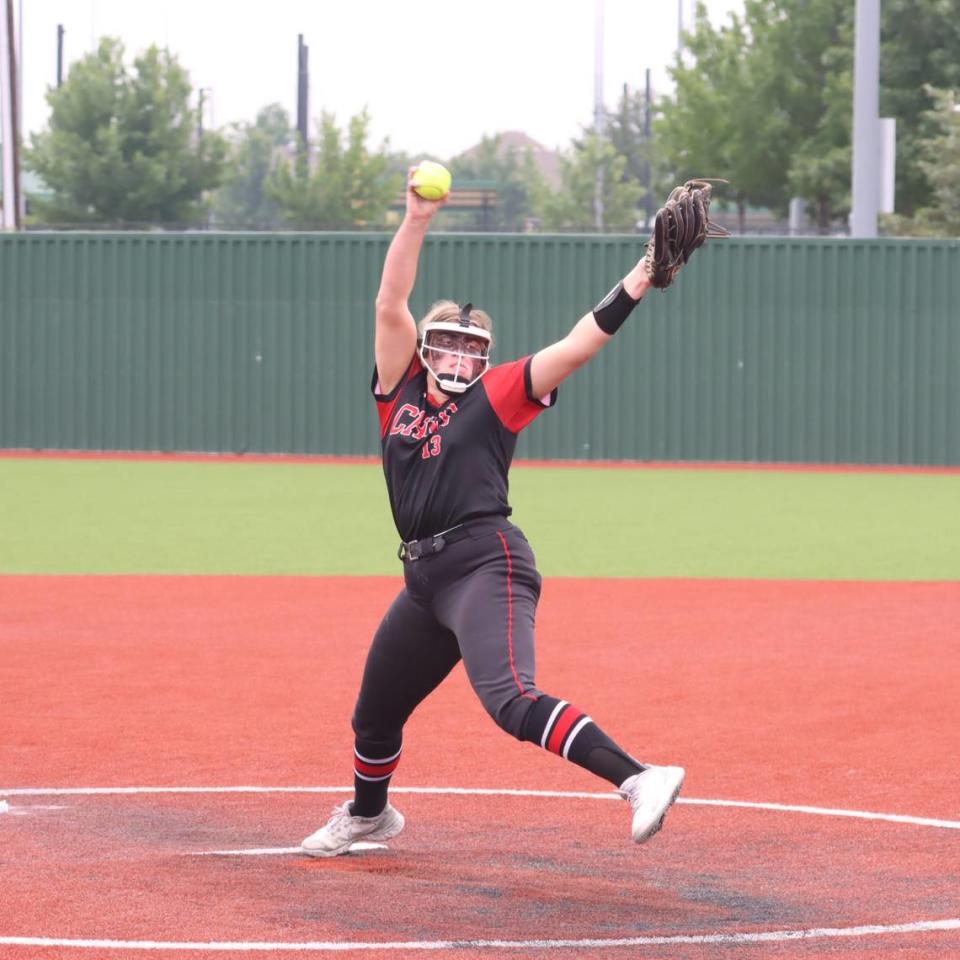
(829, 695)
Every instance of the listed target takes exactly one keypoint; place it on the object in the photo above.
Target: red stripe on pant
(513, 666)
(568, 717)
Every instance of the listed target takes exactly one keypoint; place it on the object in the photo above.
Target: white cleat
(650, 794)
(342, 831)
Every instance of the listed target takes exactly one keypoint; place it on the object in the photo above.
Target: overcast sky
(435, 77)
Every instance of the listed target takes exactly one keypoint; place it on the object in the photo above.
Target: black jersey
(448, 464)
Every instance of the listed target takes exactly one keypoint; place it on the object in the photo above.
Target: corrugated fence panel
(201, 342)
(767, 349)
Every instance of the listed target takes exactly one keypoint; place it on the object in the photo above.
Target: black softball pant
(476, 600)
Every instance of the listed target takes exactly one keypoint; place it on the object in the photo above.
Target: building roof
(547, 161)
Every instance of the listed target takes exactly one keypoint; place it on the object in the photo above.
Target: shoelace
(340, 820)
(633, 797)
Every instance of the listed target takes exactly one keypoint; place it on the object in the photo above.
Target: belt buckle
(415, 549)
(409, 551)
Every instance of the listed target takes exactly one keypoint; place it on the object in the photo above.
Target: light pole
(303, 94)
(866, 119)
(598, 110)
(60, 33)
(9, 103)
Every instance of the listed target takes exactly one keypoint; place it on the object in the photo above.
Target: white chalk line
(485, 792)
(357, 847)
(763, 936)
(27, 811)
(920, 926)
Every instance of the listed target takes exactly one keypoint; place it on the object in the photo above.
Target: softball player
(448, 426)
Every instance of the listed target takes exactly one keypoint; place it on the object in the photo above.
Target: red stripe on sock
(513, 666)
(561, 728)
(375, 769)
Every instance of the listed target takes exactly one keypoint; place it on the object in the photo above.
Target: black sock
(562, 729)
(373, 766)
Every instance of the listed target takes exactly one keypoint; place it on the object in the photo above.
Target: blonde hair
(446, 311)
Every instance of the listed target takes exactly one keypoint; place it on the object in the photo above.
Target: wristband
(613, 309)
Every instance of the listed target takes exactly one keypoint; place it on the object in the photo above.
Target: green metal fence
(765, 350)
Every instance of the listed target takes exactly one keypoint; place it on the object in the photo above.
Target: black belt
(415, 549)
(427, 546)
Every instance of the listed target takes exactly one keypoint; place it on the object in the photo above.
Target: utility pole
(10, 127)
(866, 119)
(598, 125)
(60, 33)
(303, 93)
(204, 95)
(647, 176)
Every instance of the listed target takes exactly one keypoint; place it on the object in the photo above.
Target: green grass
(115, 516)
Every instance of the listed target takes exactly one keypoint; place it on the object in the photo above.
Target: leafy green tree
(808, 47)
(940, 160)
(341, 185)
(768, 99)
(572, 206)
(920, 54)
(242, 200)
(514, 173)
(701, 128)
(624, 129)
(938, 156)
(646, 161)
(123, 147)
(747, 106)
(397, 163)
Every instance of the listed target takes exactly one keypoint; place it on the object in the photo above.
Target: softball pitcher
(449, 422)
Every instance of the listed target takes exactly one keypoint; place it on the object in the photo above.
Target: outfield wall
(767, 349)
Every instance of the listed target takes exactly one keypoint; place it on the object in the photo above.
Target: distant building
(547, 161)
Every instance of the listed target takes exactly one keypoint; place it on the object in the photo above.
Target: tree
(124, 147)
(938, 156)
(646, 162)
(715, 125)
(920, 54)
(572, 206)
(808, 49)
(242, 201)
(624, 129)
(514, 173)
(341, 185)
(750, 108)
(775, 88)
(940, 161)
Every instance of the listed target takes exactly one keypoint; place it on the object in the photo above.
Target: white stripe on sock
(550, 722)
(360, 756)
(573, 733)
(363, 776)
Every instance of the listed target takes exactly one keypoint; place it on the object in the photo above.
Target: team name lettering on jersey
(411, 421)
(468, 444)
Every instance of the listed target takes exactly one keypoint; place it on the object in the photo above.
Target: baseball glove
(682, 224)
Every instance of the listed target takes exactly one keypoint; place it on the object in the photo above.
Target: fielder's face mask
(468, 343)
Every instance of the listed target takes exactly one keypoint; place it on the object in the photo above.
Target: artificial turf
(79, 516)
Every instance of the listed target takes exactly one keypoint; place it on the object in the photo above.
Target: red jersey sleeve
(387, 401)
(509, 391)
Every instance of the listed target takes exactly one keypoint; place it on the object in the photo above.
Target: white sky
(435, 77)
